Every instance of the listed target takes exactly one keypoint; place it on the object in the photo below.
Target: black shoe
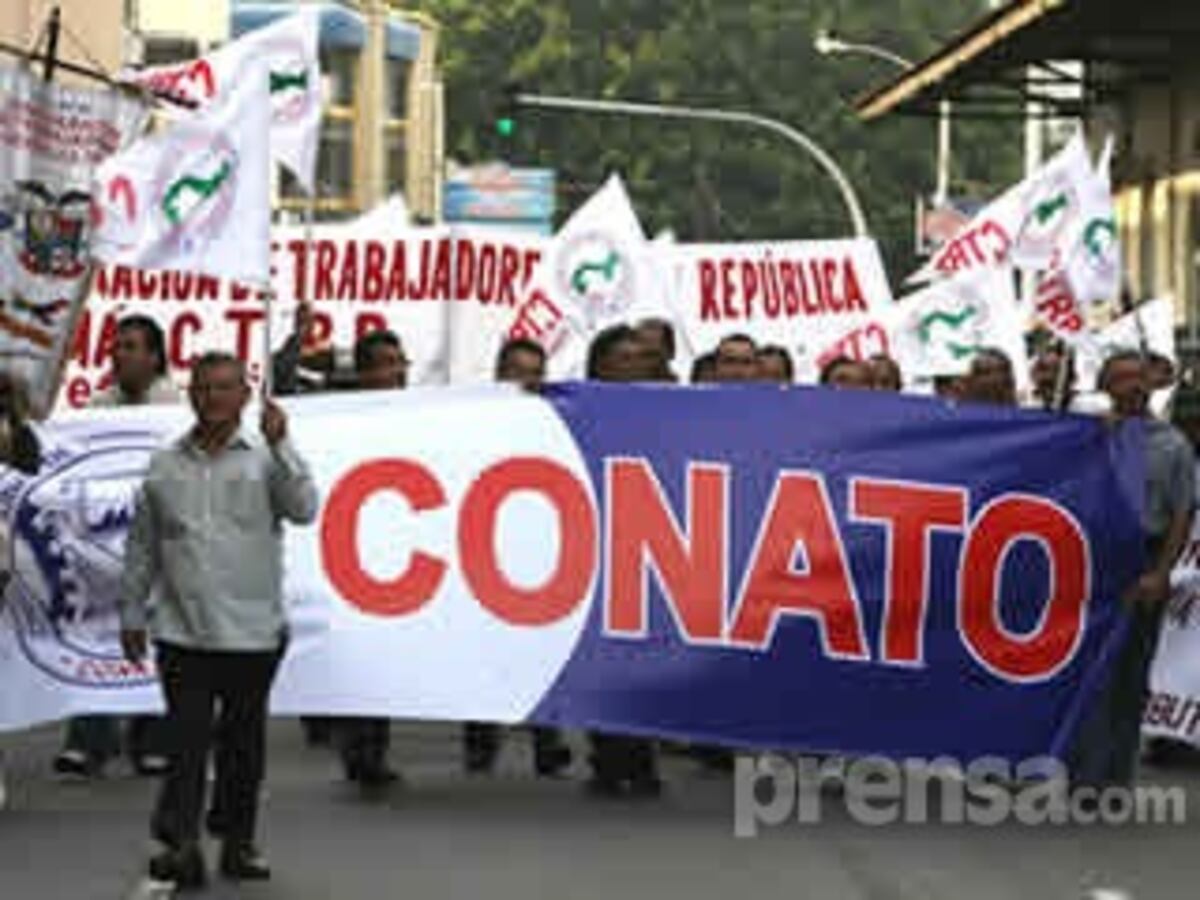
(604, 788)
(242, 862)
(376, 777)
(551, 763)
(646, 787)
(1167, 752)
(215, 823)
(713, 758)
(77, 764)
(318, 732)
(151, 765)
(182, 867)
(480, 762)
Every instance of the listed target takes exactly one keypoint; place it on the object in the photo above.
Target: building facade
(1125, 69)
(92, 33)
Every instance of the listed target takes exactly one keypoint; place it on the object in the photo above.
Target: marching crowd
(202, 555)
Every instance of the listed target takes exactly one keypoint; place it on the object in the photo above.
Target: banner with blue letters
(780, 568)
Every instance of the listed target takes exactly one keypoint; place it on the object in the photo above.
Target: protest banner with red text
(358, 277)
(818, 299)
(1173, 710)
(741, 566)
(51, 139)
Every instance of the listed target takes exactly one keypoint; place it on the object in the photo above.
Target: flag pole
(53, 26)
(1061, 383)
(1143, 338)
(268, 382)
(310, 214)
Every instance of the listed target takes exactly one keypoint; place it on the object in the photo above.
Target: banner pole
(53, 26)
(1143, 338)
(310, 214)
(1060, 386)
(268, 381)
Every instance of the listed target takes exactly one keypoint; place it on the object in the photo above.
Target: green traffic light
(506, 127)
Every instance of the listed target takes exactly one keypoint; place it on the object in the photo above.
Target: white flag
(939, 330)
(598, 271)
(1148, 328)
(391, 213)
(1027, 226)
(286, 54)
(195, 197)
(594, 260)
(1092, 251)
(51, 139)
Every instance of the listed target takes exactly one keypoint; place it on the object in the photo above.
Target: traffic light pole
(705, 114)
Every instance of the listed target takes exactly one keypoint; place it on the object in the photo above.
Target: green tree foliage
(713, 181)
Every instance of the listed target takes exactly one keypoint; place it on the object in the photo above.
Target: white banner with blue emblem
(51, 139)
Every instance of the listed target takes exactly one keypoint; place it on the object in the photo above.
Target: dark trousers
(318, 729)
(99, 737)
(363, 744)
(617, 758)
(1107, 745)
(213, 698)
(481, 744)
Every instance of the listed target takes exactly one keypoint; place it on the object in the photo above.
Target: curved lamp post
(827, 44)
(811, 147)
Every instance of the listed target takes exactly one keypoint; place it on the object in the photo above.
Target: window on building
(341, 71)
(397, 159)
(161, 51)
(335, 165)
(335, 162)
(397, 88)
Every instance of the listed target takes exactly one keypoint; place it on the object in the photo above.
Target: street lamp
(854, 210)
(827, 44)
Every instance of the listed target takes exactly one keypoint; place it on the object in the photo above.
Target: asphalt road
(447, 835)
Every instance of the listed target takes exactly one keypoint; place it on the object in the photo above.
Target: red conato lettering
(1039, 654)
(416, 585)
(568, 585)
(690, 565)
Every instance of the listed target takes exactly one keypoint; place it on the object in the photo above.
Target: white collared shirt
(206, 542)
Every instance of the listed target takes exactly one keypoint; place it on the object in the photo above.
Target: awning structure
(341, 27)
(1012, 57)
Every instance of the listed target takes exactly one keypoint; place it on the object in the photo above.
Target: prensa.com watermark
(773, 790)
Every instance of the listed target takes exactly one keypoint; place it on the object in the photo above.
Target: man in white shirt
(206, 540)
(139, 367)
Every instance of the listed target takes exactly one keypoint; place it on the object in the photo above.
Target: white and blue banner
(798, 568)
(1173, 708)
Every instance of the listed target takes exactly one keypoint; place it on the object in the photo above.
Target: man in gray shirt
(206, 542)
(1107, 747)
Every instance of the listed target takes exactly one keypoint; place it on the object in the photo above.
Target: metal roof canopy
(986, 70)
(341, 27)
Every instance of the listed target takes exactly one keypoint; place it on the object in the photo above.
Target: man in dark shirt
(991, 379)
(1047, 374)
(775, 365)
(381, 365)
(623, 764)
(521, 362)
(1107, 745)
